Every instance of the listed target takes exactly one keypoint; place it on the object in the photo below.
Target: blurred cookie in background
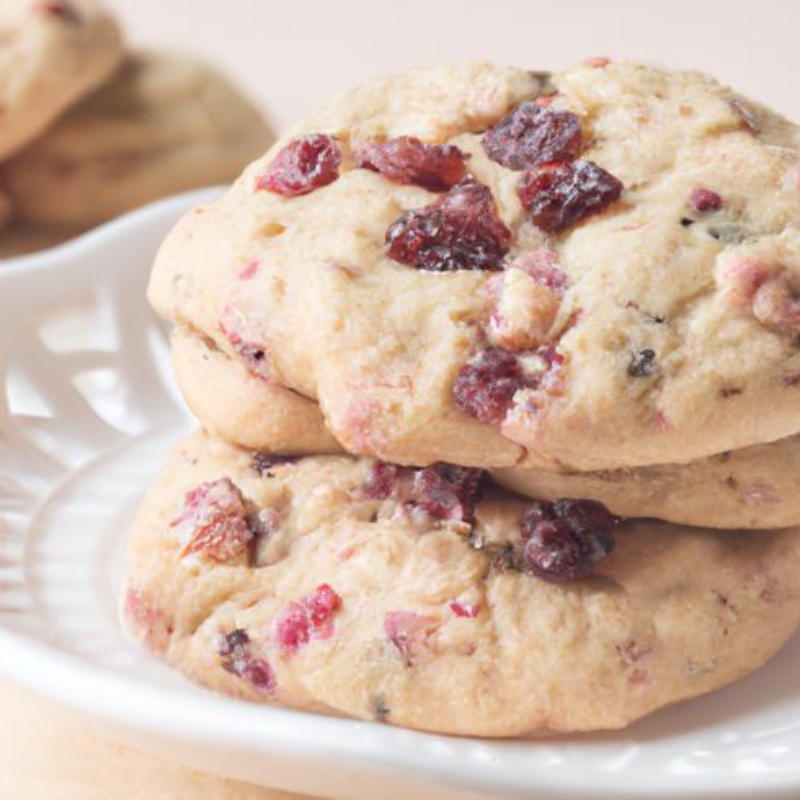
(163, 125)
(52, 53)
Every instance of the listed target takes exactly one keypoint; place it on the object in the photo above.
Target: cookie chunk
(430, 598)
(53, 53)
(591, 272)
(165, 124)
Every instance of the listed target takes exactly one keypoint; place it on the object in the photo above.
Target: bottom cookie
(435, 600)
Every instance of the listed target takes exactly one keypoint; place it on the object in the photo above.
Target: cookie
(754, 487)
(632, 305)
(164, 125)
(410, 596)
(53, 52)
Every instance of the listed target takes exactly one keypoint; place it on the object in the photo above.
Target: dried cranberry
(311, 618)
(214, 522)
(459, 231)
(234, 651)
(302, 166)
(464, 609)
(485, 387)
(564, 540)
(560, 194)
(532, 134)
(381, 480)
(444, 491)
(437, 167)
(447, 491)
(703, 200)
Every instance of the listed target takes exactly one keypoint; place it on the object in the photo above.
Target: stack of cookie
(472, 348)
(90, 131)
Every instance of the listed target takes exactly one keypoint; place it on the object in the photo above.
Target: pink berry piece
(566, 539)
(558, 195)
(704, 200)
(236, 657)
(486, 385)
(444, 491)
(461, 230)
(311, 618)
(468, 610)
(407, 160)
(302, 166)
(213, 523)
(410, 633)
(534, 134)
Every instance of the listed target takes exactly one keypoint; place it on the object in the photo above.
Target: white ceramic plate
(87, 412)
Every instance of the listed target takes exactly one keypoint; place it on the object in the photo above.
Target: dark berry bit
(447, 491)
(264, 463)
(214, 522)
(302, 166)
(534, 134)
(564, 540)
(311, 618)
(458, 231)
(234, 651)
(702, 200)
(560, 194)
(444, 491)
(485, 387)
(642, 364)
(437, 167)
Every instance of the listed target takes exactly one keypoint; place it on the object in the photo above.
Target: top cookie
(52, 53)
(593, 271)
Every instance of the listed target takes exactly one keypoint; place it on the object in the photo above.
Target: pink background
(290, 54)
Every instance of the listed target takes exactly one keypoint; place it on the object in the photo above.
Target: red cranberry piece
(538, 511)
(703, 200)
(311, 618)
(447, 491)
(459, 231)
(464, 609)
(322, 605)
(260, 674)
(558, 195)
(534, 134)
(485, 387)
(302, 166)
(381, 481)
(567, 538)
(437, 167)
(214, 521)
(236, 329)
